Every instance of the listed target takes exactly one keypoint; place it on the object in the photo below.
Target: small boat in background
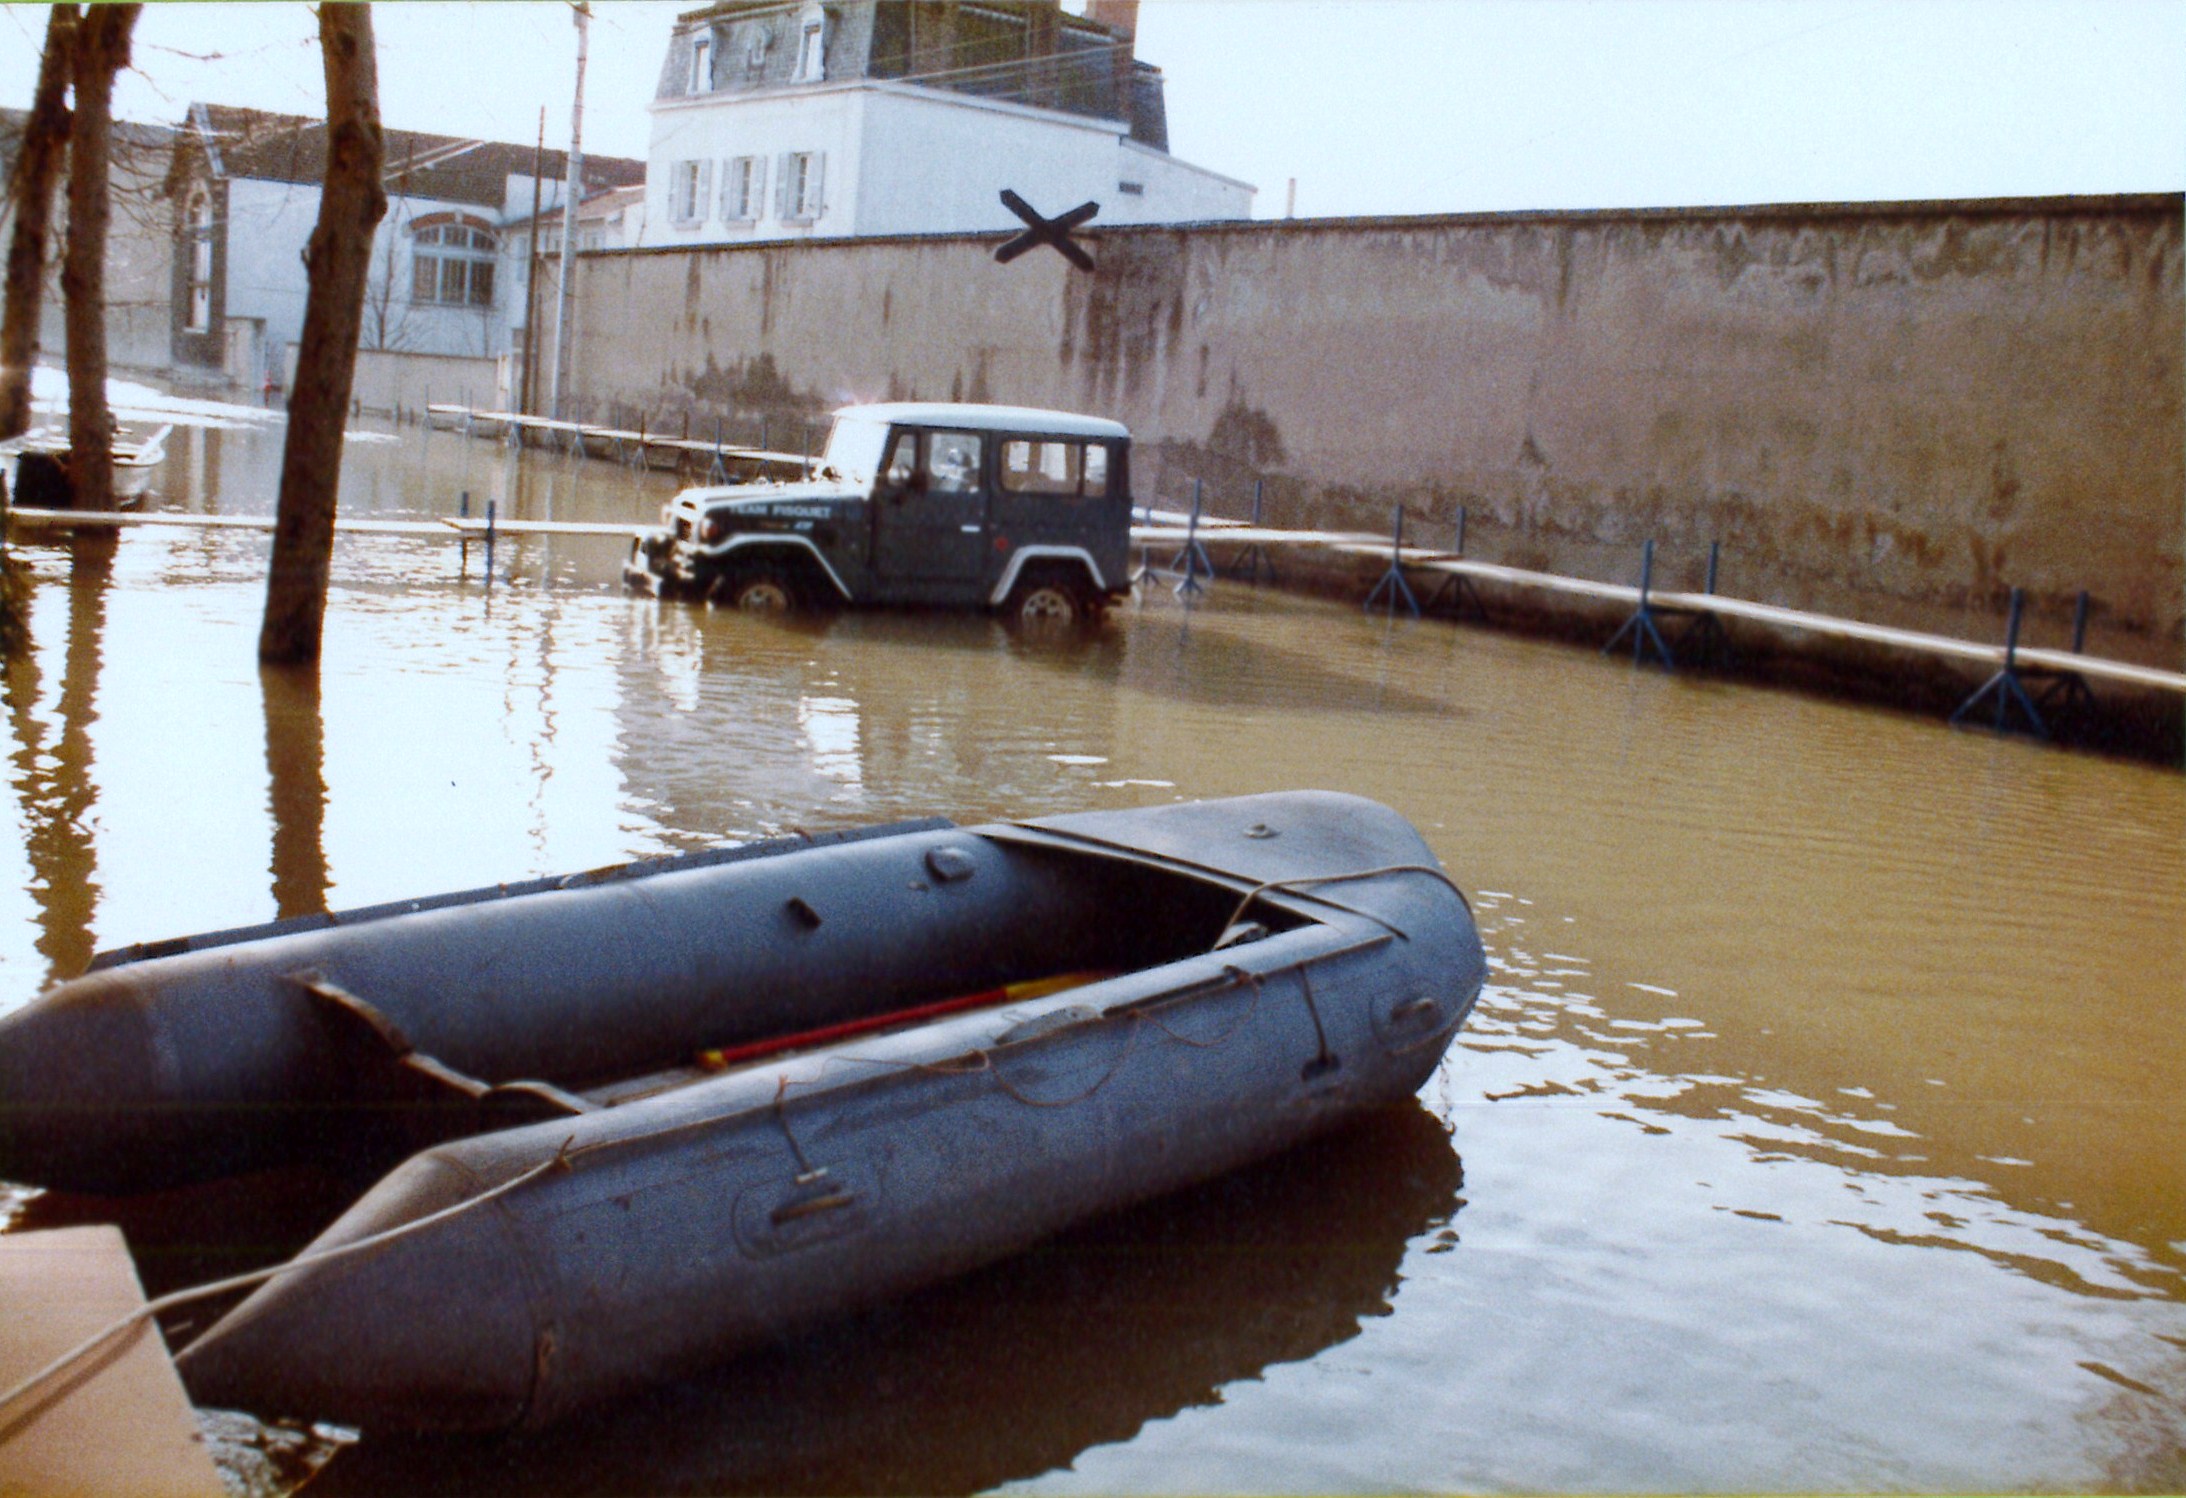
(35, 467)
(666, 1111)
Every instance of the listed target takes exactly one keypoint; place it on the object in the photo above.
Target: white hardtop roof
(1025, 419)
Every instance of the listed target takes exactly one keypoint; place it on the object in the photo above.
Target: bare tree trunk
(102, 50)
(339, 262)
(45, 143)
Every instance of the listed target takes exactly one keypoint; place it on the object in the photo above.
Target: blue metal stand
(718, 472)
(1457, 598)
(1247, 563)
(1392, 582)
(1646, 637)
(2015, 711)
(1192, 563)
(2065, 691)
(1703, 641)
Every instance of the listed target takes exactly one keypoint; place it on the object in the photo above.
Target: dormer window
(702, 64)
(755, 50)
(200, 231)
(811, 44)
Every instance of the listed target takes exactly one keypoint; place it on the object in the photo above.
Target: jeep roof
(1026, 420)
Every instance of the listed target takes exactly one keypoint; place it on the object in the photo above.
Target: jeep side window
(1040, 467)
(895, 474)
(952, 462)
(1055, 467)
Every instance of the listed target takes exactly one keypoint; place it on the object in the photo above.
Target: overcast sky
(1383, 106)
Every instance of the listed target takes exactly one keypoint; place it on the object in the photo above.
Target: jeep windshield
(854, 449)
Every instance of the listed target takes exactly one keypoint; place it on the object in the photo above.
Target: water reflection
(296, 768)
(54, 785)
(736, 726)
(1015, 1370)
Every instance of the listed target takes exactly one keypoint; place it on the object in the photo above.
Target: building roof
(447, 168)
(599, 207)
(127, 137)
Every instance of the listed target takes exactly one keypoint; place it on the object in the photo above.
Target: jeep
(999, 507)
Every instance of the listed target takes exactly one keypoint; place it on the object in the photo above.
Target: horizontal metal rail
(1345, 543)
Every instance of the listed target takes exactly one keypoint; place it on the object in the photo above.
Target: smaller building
(785, 119)
(139, 241)
(612, 218)
(447, 273)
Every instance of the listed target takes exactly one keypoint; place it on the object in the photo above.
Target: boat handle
(790, 1212)
(1421, 1005)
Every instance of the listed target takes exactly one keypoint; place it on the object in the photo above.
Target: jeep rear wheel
(1050, 600)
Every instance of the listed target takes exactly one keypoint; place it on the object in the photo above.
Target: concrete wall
(389, 380)
(1894, 410)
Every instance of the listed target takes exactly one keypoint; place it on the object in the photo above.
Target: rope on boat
(1130, 1044)
(1295, 885)
(136, 1319)
(1238, 977)
(1323, 1060)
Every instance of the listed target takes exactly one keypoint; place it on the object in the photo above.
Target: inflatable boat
(671, 1110)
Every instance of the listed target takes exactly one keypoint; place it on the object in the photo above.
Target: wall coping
(2147, 204)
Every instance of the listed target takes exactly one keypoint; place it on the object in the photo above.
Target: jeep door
(1057, 496)
(930, 517)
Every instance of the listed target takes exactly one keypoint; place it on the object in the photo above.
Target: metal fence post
(1641, 626)
(1393, 581)
(1457, 594)
(2005, 687)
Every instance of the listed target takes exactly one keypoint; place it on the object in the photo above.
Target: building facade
(788, 119)
(139, 242)
(448, 260)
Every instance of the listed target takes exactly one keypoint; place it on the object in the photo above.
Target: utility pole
(564, 345)
(530, 389)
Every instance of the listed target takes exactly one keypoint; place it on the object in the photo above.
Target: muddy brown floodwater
(1820, 1128)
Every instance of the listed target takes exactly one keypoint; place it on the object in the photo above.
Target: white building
(448, 267)
(781, 119)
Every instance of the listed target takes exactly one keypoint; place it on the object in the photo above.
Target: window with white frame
(451, 265)
(801, 196)
(743, 184)
(201, 260)
(690, 187)
(811, 44)
(702, 63)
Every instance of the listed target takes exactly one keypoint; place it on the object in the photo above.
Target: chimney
(1121, 17)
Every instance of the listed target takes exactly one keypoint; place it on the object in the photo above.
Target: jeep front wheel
(759, 590)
